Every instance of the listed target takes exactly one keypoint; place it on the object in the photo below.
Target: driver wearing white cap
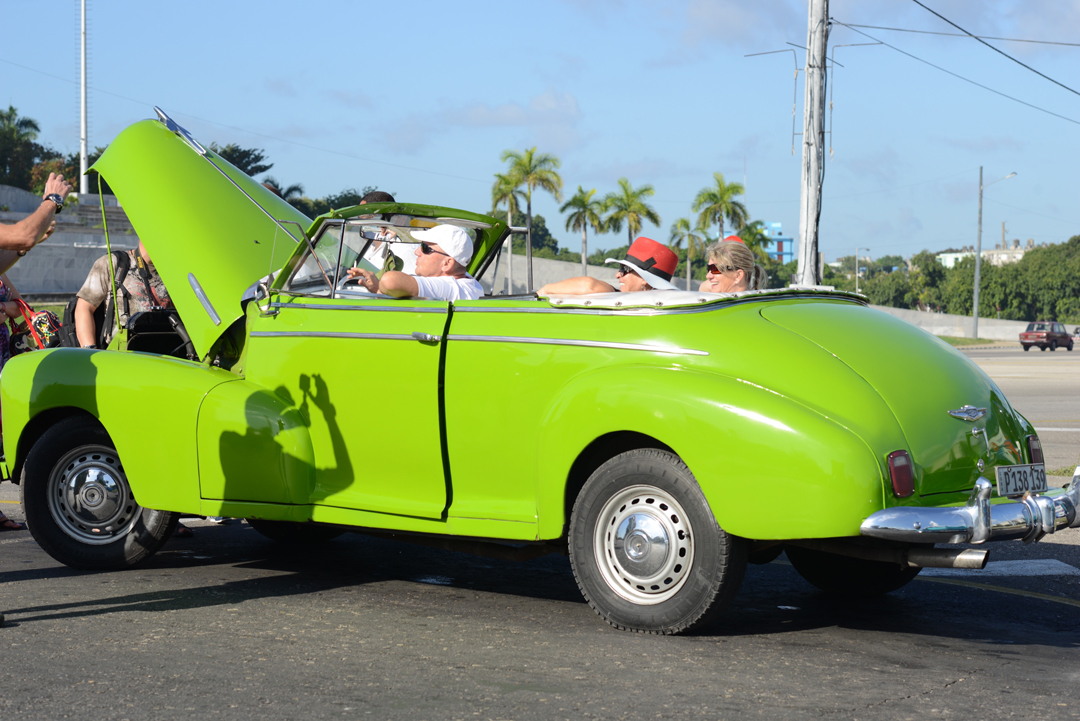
(441, 258)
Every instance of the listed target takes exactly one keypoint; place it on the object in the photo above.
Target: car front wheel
(646, 550)
(1053, 345)
(79, 506)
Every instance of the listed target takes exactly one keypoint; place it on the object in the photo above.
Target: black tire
(646, 503)
(79, 506)
(1053, 345)
(1027, 347)
(291, 532)
(846, 576)
(1069, 347)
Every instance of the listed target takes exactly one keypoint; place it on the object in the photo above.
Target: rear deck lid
(208, 226)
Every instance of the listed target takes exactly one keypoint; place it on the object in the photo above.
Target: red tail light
(1034, 449)
(902, 474)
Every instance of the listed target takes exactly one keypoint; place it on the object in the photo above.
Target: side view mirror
(262, 299)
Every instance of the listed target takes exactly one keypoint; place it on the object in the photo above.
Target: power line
(996, 50)
(963, 35)
(252, 132)
(955, 75)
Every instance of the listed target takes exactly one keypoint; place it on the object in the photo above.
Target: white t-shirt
(444, 287)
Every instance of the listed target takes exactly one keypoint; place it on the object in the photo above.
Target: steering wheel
(345, 280)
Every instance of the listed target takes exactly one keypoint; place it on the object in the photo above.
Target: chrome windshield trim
(201, 295)
(329, 334)
(343, 306)
(716, 305)
(579, 343)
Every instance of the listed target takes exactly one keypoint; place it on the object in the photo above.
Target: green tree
(19, 151)
(695, 239)
(890, 289)
(288, 194)
(718, 201)
(249, 160)
(533, 171)
(627, 206)
(927, 278)
(586, 212)
(755, 238)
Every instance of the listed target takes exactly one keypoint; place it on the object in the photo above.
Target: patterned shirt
(96, 289)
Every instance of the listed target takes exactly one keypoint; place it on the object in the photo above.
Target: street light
(978, 254)
(857, 267)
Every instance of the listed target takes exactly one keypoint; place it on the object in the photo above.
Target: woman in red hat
(648, 265)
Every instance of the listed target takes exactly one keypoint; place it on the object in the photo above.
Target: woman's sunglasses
(428, 250)
(623, 270)
(717, 270)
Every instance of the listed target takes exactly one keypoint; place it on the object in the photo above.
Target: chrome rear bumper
(1029, 518)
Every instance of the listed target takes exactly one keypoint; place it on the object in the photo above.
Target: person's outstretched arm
(398, 284)
(582, 285)
(30, 231)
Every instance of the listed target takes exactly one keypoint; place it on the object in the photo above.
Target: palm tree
(715, 202)
(755, 238)
(695, 239)
(504, 190)
(533, 170)
(588, 213)
(627, 205)
(18, 151)
(17, 129)
(289, 194)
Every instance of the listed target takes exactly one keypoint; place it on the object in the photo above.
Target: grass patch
(954, 341)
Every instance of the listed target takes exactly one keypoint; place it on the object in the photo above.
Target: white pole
(84, 179)
(813, 140)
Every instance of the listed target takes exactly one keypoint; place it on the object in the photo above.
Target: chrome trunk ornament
(968, 413)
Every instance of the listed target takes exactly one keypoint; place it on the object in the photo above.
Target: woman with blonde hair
(731, 268)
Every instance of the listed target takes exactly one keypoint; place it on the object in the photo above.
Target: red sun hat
(734, 239)
(653, 261)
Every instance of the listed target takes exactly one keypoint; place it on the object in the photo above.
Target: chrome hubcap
(89, 497)
(643, 545)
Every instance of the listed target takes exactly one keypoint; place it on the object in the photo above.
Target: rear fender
(769, 467)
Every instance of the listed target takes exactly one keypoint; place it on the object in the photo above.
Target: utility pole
(978, 255)
(813, 141)
(84, 179)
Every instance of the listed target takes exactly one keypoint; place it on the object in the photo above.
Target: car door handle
(426, 337)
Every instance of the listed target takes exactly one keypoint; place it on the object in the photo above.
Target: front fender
(148, 404)
(770, 467)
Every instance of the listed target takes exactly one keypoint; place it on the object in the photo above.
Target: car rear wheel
(295, 533)
(646, 550)
(79, 506)
(1069, 347)
(846, 576)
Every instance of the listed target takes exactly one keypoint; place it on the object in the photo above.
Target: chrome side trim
(201, 295)
(1029, 518)
(579, 343)
(716, 305)
(329, 334)
(342, 306)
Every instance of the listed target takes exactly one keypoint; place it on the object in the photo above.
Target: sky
(421, 98)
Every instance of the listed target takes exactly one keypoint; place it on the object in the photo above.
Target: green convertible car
(662, 439)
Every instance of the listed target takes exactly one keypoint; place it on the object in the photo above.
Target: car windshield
(377, 243)
(1034, 327)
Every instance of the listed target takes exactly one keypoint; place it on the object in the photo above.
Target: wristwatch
(55, 197)
(90, 345)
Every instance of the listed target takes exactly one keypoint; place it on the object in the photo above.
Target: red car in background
(1046, 334)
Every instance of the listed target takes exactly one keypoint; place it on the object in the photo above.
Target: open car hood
(208, 226)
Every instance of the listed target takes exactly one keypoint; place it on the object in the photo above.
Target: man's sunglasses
(428, 250)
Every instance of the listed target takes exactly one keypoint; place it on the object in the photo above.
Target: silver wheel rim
(644, 545)
(89, 497)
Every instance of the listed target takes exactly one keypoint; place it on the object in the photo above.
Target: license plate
(1018, 480)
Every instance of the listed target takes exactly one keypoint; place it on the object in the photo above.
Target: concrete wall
(18, 200)
(959, 326)
(59, 266)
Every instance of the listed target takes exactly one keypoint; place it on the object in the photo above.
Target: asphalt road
(230, 625)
